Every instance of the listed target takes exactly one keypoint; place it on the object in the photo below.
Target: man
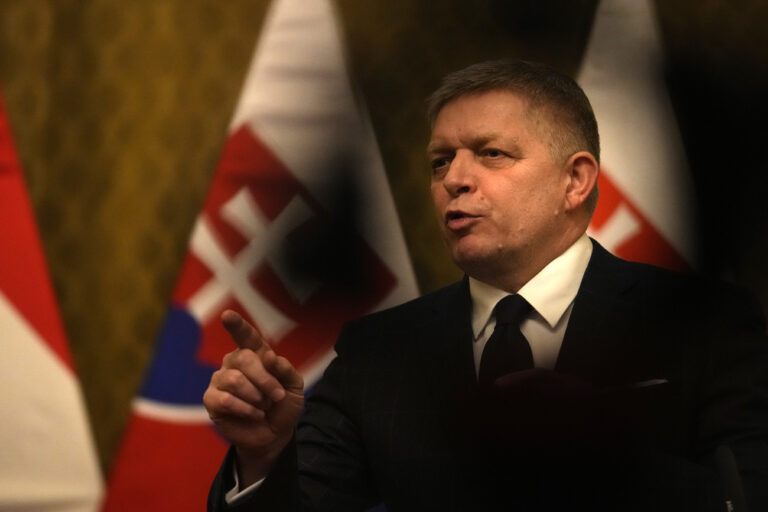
(599, 385)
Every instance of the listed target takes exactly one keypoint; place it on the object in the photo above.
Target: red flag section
(150, 451)
(623, 229)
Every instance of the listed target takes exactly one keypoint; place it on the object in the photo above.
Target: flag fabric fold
(646, 210)
(298, 233)
(48, 460)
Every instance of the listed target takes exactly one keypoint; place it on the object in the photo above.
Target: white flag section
(646, 209)
(47, 460)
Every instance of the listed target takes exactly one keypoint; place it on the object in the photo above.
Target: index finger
(243, 333)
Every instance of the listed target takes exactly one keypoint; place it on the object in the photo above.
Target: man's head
(514, 151)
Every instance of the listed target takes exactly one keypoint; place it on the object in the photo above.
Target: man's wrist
(252, 467)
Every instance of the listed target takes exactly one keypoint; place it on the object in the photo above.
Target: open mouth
(455, 215)
(457, 220)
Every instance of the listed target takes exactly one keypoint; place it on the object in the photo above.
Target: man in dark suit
(553, 377)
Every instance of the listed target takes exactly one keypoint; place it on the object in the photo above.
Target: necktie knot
(507, 350)
(511, 310)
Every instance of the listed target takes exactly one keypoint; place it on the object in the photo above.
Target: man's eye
(440, 163)
(492, 153)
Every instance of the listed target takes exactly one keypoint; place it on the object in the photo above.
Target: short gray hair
(568, 121)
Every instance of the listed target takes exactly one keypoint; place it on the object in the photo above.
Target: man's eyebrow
(441, 146)
(482, 140)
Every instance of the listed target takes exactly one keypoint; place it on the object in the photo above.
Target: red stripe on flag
(24, 278)
(646, 244)
(164, 466)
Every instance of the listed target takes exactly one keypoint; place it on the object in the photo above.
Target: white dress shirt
(551, 293)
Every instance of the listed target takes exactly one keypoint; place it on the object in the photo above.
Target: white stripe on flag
(47, 459)
(190, 414)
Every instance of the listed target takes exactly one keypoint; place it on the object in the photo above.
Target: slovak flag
(47, 457)
(298, 234)
(646, 210)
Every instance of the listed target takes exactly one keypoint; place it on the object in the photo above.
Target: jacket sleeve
(324, 468)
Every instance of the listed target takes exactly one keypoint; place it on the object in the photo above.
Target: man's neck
(516, 272)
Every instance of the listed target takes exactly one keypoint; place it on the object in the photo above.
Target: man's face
(498, 193)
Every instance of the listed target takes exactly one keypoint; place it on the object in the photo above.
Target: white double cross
(232, 276)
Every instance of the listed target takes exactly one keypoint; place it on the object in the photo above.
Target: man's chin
(473, 261)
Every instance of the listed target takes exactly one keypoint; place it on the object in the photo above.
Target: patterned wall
(119, 111)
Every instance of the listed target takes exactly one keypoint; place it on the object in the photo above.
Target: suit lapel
(602, 318)
(445, 342)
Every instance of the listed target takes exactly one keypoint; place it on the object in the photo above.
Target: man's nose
(460, 177)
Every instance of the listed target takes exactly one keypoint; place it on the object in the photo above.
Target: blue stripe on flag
(176, 376)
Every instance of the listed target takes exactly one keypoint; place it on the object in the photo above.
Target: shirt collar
(550, 292)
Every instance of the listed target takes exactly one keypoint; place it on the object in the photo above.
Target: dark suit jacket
(656, 372)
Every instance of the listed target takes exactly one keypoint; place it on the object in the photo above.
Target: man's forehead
(478, 124)
(506, 99)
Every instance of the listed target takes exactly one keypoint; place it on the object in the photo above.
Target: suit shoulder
(701, 288)
(680, 291)
(387, 324)
(407, 313)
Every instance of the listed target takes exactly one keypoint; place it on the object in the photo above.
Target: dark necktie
(507, 350)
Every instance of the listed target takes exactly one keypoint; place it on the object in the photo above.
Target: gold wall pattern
(120, 109)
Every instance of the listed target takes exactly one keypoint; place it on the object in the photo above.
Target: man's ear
(582, 170)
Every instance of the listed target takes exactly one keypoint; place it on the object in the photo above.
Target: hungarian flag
(298, 233)
(47, 460)
(646, 211)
